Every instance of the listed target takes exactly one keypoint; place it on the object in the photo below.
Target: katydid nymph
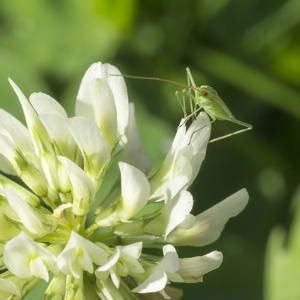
(206, 98)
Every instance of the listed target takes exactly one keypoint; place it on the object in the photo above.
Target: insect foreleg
(190, 78)
(191, 115)
(181, 102)
(191, 83)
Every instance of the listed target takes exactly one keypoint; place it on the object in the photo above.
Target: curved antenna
(155, 78)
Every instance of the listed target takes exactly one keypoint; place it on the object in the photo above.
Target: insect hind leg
(230, 134)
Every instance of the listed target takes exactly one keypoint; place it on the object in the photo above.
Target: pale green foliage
(282, 268)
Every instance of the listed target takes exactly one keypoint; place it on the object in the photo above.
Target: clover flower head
(53, 226)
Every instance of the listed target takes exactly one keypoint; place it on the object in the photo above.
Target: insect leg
(190, 78)
(181, 101)
(191, 115)
(192, 104)
(230, 134)
(213, 120)
(191, 82)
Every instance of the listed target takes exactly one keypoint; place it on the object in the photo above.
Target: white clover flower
(184, 158)
(25, 258)
(34, 219)
(207, 226)
(192, 269)
(124, 261)
(79, 255)
(103, 99)
(8, 288)
(53, 226)
(158, 275)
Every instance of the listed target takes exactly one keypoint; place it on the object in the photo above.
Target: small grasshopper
(206, 98)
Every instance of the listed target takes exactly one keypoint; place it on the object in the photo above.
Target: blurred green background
(249, 51)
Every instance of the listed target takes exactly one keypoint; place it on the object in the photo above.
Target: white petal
(15, 127)
(90, 141)
(23, 193)
(56, 288)
(115, 277)
(82, 186)
(133, 250)
(78, 255)
(9, 287)
(76, 269)
(97, 254)
(38, 269)
(158, 278)
(193, 149)
(55, 125)
(109, 268)
(200, 137)
(134, 153)
(129, 257)
(188, 222)
(119, 89)
(132, 264)
(6, 167)
(185, 155)
(106, 115)
(22, 251)
(154, 283)
(32, 218)
(85, 105)
(43, 103)
(192, 269)
(177, 210)
(135, 191)
(8, 230)
(170, 261)
(199, 141)
(171, 178)
(87, 262)
(174, 186)
(102, 275)
(95, 101)
(8, 147)
(210, 223)
(19, 134)
(110, 262)
(171, 215)
(65, 260)
(182, 167)
(33, 122)
(17, 258)
(30, 114)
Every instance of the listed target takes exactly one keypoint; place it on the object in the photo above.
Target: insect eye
(205, 94)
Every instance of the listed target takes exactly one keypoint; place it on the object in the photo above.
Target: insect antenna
(155, 78)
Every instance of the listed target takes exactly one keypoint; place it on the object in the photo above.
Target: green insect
(206, 98)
